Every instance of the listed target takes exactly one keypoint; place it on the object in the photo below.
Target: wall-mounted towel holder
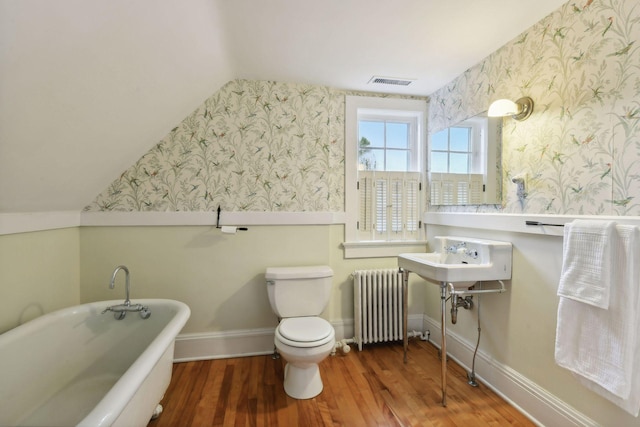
(542, 223)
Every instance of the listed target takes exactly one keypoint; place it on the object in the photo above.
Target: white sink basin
(461, 261)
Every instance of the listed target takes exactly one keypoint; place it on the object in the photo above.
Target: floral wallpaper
(267, 146)
(580, 150)
(252, 146)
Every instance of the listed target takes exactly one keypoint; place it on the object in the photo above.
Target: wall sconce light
(519, 110)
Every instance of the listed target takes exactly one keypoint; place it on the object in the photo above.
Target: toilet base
(302, 381)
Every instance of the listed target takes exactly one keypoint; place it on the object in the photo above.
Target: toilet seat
(305, 331)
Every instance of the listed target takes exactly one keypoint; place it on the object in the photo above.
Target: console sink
(461, 261)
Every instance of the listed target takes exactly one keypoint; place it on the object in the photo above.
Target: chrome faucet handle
(118, 313)
(455, 248)
(120, 310)
(471, 253)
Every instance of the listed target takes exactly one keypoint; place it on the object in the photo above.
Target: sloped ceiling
(86, 88)
(343, 43)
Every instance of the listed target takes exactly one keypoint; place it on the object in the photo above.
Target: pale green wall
(39, 273)
(220, 276)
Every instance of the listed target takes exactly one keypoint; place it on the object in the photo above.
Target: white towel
(599, 345)
(586, 266)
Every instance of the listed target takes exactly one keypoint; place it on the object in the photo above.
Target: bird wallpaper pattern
(580, 150)
(252, 146)
(268, 146)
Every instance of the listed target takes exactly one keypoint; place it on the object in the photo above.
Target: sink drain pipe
(471, 376)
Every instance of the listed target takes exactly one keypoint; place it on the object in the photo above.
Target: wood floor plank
(368, 388)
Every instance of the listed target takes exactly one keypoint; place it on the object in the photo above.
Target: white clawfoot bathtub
(77, 366)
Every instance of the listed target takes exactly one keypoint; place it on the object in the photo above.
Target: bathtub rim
(121, 393)
(105, 412)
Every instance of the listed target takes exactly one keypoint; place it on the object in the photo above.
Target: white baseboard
(540, 406)
(222, 345)
(250, 342)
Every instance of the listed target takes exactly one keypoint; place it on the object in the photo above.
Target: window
(456, 167)
(384, 173)
(384, 144)
(451, 150)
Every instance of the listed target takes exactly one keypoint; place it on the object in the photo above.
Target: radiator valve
(343, 345)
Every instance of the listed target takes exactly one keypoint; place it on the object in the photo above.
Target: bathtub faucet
(127, 302)
(120, 310)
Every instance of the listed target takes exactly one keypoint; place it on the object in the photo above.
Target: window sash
(412, 150)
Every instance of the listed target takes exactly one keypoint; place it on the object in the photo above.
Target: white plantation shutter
(365, 185)
(456, 189)
(412, 203)
(380, 192)
(396, 196)
(476, 189)
(462, 189)
(389, 205)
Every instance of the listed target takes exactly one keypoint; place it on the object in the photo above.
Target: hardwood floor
(368, 388)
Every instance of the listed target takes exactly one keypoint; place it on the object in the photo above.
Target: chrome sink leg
(443, 348)
(405, 314)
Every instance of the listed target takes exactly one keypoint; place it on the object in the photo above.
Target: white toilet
(298, 295)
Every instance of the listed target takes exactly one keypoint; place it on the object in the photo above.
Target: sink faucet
(120, 310)
(455, 248)
(127, 302)
(461, 248)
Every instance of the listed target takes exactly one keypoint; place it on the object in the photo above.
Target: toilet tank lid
(307, 272)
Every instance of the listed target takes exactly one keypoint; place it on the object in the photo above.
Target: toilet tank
(299, 291)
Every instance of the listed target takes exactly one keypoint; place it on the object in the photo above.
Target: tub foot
(157, 412)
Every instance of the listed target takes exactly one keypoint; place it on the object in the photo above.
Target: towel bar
(543, 223)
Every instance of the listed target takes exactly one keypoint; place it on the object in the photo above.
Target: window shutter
(389, 205)
(456, 189)
(381, 194)
(397, 196)
(476, 189)
(448, 192)
(412, 208)
(462, 196)
(364, 199)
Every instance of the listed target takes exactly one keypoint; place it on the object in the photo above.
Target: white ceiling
(86, 88)
(343, 43)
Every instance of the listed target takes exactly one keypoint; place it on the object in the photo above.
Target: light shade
(519, 110)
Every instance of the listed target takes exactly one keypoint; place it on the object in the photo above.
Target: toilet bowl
(298, 295)
(303, 342)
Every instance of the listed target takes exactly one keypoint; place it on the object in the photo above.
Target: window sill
(382, 248)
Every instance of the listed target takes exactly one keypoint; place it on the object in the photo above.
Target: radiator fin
(378, 304)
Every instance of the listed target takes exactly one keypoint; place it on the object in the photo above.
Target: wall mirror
(465, 166)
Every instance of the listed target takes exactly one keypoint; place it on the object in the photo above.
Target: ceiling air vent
(391, 81)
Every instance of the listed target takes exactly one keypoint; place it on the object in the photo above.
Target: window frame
(362, 107)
